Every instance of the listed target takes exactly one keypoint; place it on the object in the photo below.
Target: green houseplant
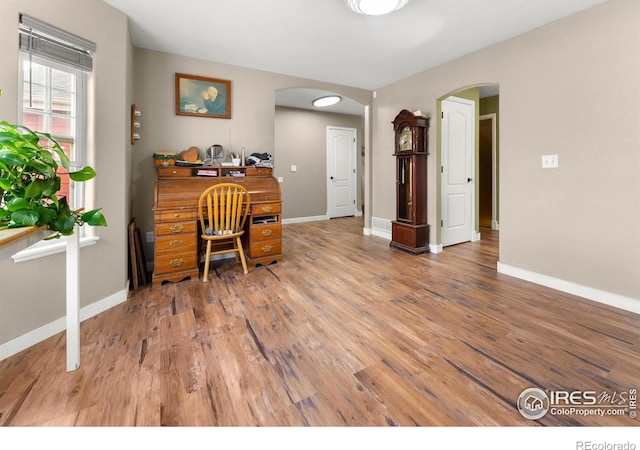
(29, 183)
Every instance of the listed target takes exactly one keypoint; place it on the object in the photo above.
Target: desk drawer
(265, 248)
(175, 244)
(265, 232)
(260, 209)
(258, 171)
(172, 172)
(175, 262)
(176, 215)
(164, 229)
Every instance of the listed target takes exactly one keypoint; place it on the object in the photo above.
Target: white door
(457, 184)
(341, 171)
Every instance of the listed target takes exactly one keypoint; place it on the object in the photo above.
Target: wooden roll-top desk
(177, 234)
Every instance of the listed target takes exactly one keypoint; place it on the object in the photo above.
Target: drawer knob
(176, 228)
(267, 209)
(176, 262)
(176, 215)
(174, 172)
(266, 248)
(176, 243)
(267, 232)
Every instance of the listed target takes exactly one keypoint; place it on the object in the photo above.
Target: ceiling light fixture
(375, 7)
(326, 101)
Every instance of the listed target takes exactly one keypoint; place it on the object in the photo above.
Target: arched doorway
(300, 134)
(484, 175)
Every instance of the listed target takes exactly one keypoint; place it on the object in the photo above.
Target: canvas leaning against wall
(203, 97)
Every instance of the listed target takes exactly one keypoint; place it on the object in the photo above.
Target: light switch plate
(549, 161)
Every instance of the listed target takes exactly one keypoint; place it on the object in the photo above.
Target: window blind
(40, 38)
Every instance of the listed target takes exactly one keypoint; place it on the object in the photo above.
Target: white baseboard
(381, 233)
(597, 295)
(305, 219)
(46, 331)
(313, 218)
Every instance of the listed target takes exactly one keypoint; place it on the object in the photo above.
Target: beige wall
(33, 293)
(301, 140)
(572, 89)
(252, 123)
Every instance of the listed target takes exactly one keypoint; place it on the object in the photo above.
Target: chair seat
(209, 232)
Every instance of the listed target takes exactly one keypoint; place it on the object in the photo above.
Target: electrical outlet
(549, 161)
(294, 168)
(149, 236)
(280, 179)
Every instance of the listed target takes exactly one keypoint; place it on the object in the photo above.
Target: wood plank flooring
(346, 331)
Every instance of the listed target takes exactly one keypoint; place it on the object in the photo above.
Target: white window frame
(76, 190)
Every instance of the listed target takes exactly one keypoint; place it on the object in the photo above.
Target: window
(52, 98)
(53, 102)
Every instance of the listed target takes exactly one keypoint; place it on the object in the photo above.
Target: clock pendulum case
(410, 231)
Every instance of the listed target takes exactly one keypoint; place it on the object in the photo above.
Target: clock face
(405, 139)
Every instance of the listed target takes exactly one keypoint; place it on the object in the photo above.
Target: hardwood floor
(346, 331)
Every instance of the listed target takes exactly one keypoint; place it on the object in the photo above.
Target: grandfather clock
(410, 231)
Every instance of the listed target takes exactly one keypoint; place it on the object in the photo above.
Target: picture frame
(202, 96)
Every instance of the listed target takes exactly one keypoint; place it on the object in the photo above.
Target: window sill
(48, 248)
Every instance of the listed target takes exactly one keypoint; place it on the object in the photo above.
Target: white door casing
(341, 171)
(457, 170)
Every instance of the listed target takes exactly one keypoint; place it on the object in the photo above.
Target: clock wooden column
(410, 231)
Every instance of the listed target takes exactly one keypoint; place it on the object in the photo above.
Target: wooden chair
(223, 210)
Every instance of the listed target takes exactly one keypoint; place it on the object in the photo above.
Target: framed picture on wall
(202, 96)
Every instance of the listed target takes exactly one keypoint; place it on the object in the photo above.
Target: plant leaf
(11, 158)
(16, 204)
(63, 223)
(50, 187)
(47, 214)
(34, 189)
(84, 174)
(94, 218)
(25, 217)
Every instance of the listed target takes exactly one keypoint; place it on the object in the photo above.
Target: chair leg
(236, 252)
(241, 252)
(205, 278)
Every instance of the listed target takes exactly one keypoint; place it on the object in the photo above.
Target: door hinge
(442, 223)
(442, 115)
(441, 169)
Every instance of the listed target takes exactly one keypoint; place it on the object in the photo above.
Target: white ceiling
(324, 40)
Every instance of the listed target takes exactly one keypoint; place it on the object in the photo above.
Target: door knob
(332, 178)
(469, 180)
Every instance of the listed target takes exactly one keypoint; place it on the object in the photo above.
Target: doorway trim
(494, 169)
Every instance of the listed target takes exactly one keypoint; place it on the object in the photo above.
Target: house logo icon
(533, 403)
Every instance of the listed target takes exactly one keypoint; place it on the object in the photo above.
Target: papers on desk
(207, 173)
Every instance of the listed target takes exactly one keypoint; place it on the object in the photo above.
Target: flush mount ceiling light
(375, 7)
(326, 101)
